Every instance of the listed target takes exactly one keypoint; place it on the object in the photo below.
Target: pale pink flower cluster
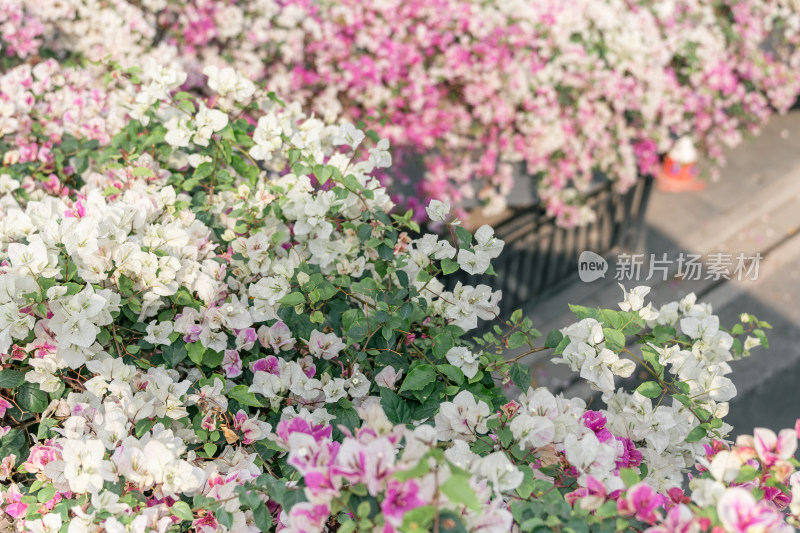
(481, 90)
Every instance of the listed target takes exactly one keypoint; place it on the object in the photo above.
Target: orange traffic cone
(679, 173)
(678, 177)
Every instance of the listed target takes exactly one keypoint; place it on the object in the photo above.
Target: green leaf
(516, 339)
(458, 490)
(184, 298)
(420, 470)
(696, 434)
(525, 488)
(31, 398)
(505, 436)
(46, 494)
(43, 431)
(225, 518)
(345, 414)
(419, 377)
(607, 510)
(629, 476)
(351, 183)
(396, 408)
(11, 378)
(683, 399)
(417, 520)
(521, 376)
(196, 351)
(292, 299)
(703, 413)
(463, 235)
(651, 356)
(262, 517)
(649, 389)
(210, 448)
(275, 487)
(586, 312)
(453, 373)
(244, 397)
(212, 358)
(760, 335)
(449, 266)
(562, 345)
(553, 339)
(143, 426)
(746, 473)
(615, 340)
(142, 171)
(182, 510)
(174, 354)
(442, 344)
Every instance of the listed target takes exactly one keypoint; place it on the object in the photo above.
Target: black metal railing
(540, 256)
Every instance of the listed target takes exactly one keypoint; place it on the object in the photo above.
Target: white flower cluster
(127, 246)
(102, 440)
(702, 366)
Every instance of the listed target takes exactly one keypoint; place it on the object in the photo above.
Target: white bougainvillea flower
(159, 332)
(532, 431)
(207, 122)
(349, 135)
(487, 243)
(634, 298)
(227, 81)
(33, 258)
(388, 377)
(725, 466)
(500, 472)
(700, 327)
(178, 133)
(464, 359)
(462, 418)
(49, 523)
(473, 262)
(380, 156)
(596, 369)
(325, 345)
(431, 246)
(438, 211)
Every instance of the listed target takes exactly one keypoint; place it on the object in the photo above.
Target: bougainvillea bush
(558, 89)
(209, 324)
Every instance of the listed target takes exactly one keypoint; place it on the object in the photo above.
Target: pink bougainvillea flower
(772, 448)
(401, 497)
(232, 364)
(595, 421)
(4, 405)
(592, 496)
(740, 513)
(301, 425)
(642, 502)
(306, 517)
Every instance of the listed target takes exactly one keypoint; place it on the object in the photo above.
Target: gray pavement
(753, 208)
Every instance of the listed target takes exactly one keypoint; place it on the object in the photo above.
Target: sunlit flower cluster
(479, 90)
(222, 323)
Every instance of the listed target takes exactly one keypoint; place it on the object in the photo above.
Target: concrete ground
(754, 208)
